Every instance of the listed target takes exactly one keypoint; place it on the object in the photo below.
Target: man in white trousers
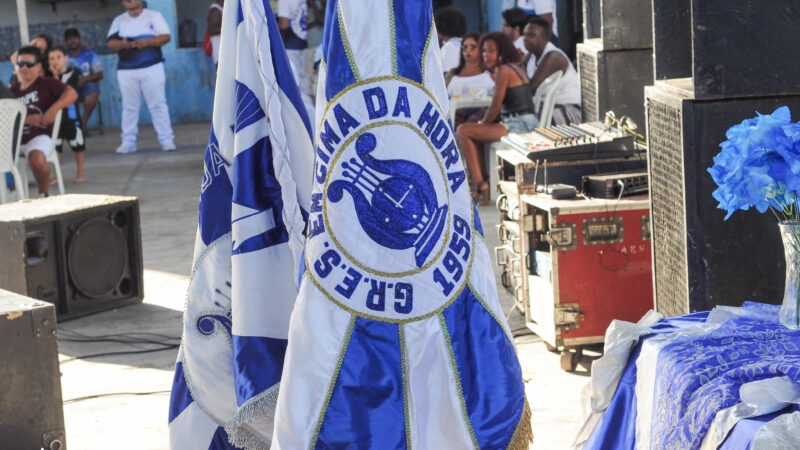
(137, 36)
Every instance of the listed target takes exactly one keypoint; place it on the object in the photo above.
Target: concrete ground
(120, 401)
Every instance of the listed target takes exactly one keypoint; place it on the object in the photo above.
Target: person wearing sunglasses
(137, 36)
(470, 74)
(43, 97)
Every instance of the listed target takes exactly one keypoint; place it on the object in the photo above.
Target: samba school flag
(397, 339)
(257, 174)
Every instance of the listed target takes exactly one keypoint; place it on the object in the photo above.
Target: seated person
(90, 72)
(470, 71)
(44, 97)
(70, 129)
(467, 77)
(451, 24)
(511, 110)
(514, 20)
(549, 59)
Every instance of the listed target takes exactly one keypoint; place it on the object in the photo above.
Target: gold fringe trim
(523, 435)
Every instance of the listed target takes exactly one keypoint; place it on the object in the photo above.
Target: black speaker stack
(615, 60)
(716, 64)
(81, 253)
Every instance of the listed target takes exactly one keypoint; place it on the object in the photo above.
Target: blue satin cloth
(697, 376)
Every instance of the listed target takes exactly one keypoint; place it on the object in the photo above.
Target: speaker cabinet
(613, 80)
(699, 259)
(80, 252)
(619, 24)
(31, 411)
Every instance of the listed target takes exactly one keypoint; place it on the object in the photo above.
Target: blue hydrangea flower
(759, 164)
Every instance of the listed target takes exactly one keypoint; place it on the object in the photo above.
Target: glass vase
(790, 309)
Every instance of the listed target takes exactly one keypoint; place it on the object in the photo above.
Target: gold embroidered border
(334, 377)
(523, 435)
(489, 310)
(404, 366)
(457, 378)
(346, 43)
(325, 202)
(392, 37)
(425, 51)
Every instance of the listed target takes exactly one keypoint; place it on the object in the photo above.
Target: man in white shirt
(292, 18)
(514, 20)
(137, 36)
(546, 9)
(451, 24)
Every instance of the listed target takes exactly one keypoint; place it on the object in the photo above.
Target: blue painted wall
(190, 79)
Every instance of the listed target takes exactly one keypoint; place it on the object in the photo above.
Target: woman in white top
(469, 75)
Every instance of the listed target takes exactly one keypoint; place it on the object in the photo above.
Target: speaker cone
(97, 256)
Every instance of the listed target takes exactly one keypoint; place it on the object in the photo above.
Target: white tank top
(569, 90)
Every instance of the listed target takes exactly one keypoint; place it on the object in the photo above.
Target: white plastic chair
(545, 97)
(11, 112)
(52, 158)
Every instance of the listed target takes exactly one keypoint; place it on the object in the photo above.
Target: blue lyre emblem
(395, 200)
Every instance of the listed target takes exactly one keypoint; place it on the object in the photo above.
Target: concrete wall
(190, 73)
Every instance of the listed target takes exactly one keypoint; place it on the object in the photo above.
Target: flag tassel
(523, 435)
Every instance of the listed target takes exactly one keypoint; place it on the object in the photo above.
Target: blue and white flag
(397, 339)
(256, 181)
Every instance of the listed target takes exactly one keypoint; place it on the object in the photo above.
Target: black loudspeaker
(709, 47)
(613, 80)
(699, 259)
(619, 24)
(83, 253)
(31, 411)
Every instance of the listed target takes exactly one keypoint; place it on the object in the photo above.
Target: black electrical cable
(111, 394)
(127, 352)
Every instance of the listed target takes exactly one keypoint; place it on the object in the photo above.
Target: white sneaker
(125, 148)
(168, 147)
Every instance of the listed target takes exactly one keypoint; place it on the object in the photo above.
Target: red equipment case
(589, 263)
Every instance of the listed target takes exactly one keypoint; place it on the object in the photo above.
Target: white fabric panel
(482, 279)
(437, 420)
(207, 360)
(433, 78)
(192, 429)
(267, 317)
(318, 328)
(369, 34)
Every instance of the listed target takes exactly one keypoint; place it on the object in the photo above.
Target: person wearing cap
(88, 64)
(137, 36)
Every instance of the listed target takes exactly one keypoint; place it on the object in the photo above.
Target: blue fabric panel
(366, 406)
(477, 221)
(283, 70)
(138, 58)
(220, 441)
(617, 428)
(256, 187)
(742, 434)
(240, 13)
(258, 363)
(412, 24)
(180, 397)
(491, 378)
(339, 75)
(248, 108)
(215, 195)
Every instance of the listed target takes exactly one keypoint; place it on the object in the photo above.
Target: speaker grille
(668, 208)
(97, 257)
(587, 68)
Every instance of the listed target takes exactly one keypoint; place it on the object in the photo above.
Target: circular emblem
(390, 228)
